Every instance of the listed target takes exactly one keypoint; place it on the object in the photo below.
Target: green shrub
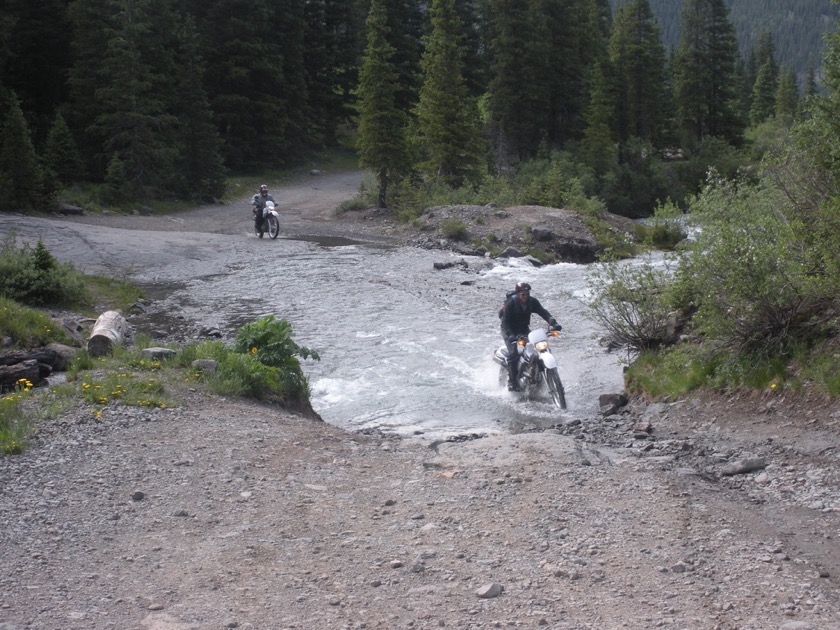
(665, 230)
(352, 205)
(269, 341)
(760, 291)
(32, 276)
(454, 229)
(243, 375)
(631, 302)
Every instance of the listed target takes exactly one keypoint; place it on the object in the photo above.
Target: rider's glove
(553, 323)
(511, 339)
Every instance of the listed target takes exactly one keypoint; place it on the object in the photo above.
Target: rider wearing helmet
(259, 203)
(516, 321)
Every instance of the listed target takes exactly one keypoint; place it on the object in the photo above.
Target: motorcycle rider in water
(516, 321)
(259, 203)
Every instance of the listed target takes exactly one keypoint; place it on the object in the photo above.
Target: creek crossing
(406, 348)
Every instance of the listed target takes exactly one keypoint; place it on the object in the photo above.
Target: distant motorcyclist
(516, 321)
(259, 201)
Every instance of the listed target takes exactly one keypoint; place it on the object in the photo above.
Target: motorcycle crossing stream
(405, 348)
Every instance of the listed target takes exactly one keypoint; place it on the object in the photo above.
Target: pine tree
(406, 30)
(599, 146)
(382, 143)
(61, 155)
(787, 97)
(763, 92)
(245, 81)
(334, 44)
(39, 53)
(705, 80)
(512, 112)
(474, 31)
(201, 168)
(20, 172)
(133, 120)
(543, 52)
(91, 22)
(638, 60)
(290, 20)
(447, 118)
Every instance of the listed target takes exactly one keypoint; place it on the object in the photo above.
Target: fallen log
(18, 356)
(109, 330)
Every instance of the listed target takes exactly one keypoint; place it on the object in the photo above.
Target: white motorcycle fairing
(536, 338)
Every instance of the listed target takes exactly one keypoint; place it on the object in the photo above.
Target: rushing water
(406, 348)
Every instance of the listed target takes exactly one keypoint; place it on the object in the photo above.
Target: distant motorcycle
(271, 220)
(537, 368)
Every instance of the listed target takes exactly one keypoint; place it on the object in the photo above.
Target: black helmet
(523, 287)
(263, 188)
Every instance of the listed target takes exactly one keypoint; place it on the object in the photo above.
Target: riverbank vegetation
(263, 362)
(753, 299)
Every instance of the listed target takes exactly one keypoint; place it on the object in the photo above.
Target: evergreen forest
(616, 100)
(797, 27)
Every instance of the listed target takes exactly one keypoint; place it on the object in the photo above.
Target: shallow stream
(405, 348)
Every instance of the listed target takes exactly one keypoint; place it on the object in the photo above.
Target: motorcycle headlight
(541, 345)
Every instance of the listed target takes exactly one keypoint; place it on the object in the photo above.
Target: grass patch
(667, 376)
(673, 373)
(15, 423)
(118, 293)
(27, 327)
(128, 388)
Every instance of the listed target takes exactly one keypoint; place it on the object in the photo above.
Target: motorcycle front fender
(548, 360)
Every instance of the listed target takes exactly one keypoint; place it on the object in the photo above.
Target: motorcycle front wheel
(273, 226)
(555, 388)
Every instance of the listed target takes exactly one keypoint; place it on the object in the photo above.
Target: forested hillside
(556, 100)
(797, 27)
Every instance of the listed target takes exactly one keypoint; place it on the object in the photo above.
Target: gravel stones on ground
(226, 514)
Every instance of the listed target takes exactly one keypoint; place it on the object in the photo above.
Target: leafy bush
(243, 375)
(665, 230)
(270, 340)
(630, 302)
(265, 362)
(454, 229)
(32, 276)
(761, 284)
(759, 290)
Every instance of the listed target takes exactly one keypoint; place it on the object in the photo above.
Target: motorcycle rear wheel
(555, 388)
(273, 226)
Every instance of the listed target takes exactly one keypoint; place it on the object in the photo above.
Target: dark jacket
(516, 319)
(260, 199)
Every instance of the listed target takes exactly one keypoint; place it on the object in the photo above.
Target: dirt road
(161, 248)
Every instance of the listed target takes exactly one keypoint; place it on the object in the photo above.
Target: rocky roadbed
(230, 514)
(709, 512)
